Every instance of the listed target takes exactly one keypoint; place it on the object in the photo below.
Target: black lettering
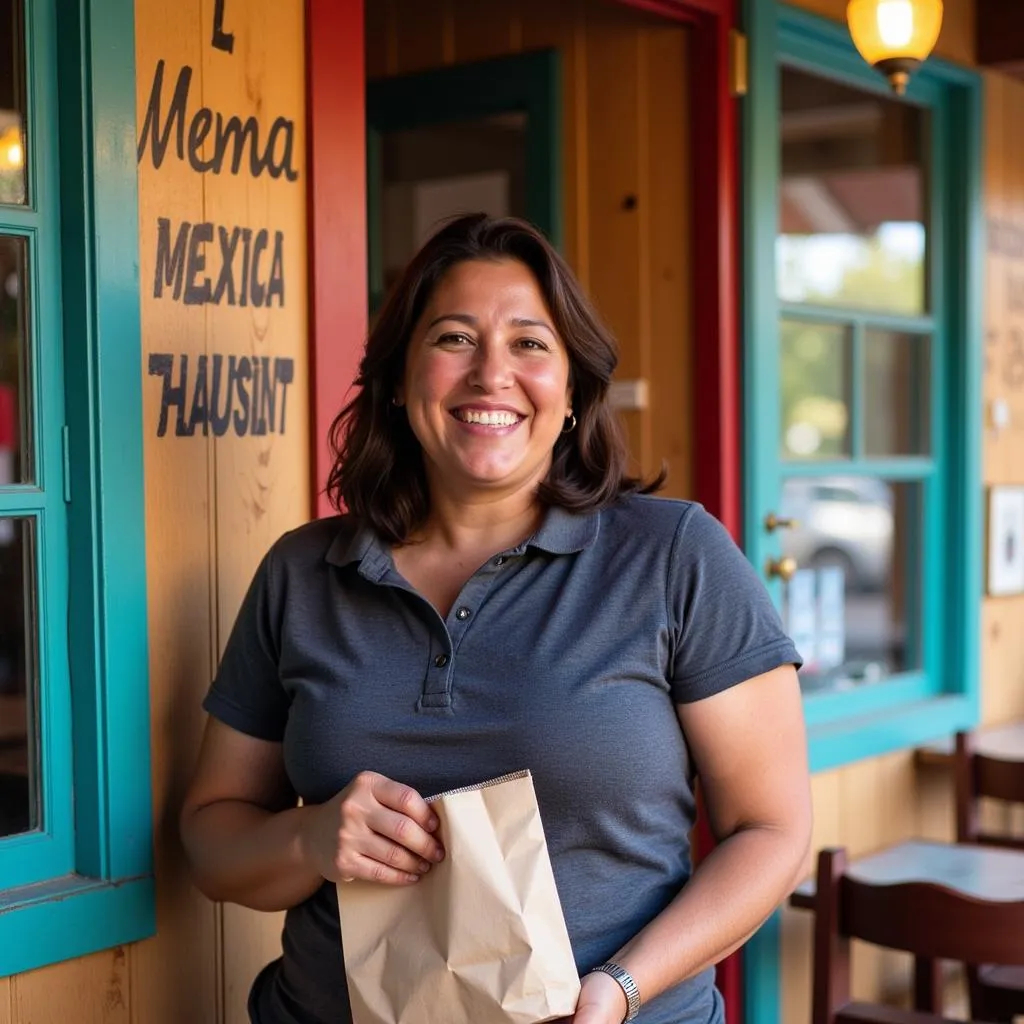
(197, 132)
(238, 133)
(276, 286)
(281, 126)
(268, 398)
(162, 365)
(284, 374)
(200, 400)
(170, 264)
(246, 238)
(259, 425)
(256, 288)
(226, 281)
(161, 136)
(221, 40)
(220, 421)
(239, 376)
(197, 294)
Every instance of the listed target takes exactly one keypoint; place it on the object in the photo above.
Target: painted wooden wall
(625, 109)
(872, 804)
(213, 503)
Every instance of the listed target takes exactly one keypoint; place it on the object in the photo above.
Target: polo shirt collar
(561, 533)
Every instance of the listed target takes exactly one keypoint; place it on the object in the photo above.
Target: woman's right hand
(375, 829)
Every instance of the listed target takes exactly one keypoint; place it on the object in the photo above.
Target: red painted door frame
(336, 161)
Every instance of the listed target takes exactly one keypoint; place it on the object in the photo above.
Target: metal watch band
(625, 980)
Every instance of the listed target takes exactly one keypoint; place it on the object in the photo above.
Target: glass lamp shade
(894, 36)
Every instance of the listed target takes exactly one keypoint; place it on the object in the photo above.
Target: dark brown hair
(378, 472)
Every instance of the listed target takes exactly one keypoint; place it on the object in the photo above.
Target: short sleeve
(725, 627)
(247, 693)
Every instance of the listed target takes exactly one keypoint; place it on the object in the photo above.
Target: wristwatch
(625, 979)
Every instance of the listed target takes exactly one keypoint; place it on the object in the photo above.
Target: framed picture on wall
(1005, 541)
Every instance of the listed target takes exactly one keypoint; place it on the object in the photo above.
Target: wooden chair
(931, 922)
(996, 992)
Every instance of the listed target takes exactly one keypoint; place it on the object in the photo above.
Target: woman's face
(486, 383)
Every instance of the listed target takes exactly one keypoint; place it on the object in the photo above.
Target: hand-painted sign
(241, 394)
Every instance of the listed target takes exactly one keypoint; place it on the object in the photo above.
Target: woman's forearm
(244, 854)
(732, 892)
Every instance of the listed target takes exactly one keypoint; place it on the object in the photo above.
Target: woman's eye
(532, 343)
(454, 338)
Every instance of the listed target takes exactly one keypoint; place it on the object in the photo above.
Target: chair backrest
(929, 921)
(980, 775)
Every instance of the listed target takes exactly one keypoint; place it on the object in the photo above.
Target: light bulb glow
(15, 155)
(895, 23)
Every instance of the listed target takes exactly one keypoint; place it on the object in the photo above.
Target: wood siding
(626, 188)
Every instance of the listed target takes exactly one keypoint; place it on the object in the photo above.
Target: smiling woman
(494, 545)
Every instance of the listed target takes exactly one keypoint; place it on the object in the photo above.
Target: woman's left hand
(601, 1001)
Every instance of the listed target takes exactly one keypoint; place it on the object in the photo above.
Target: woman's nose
(491, 369)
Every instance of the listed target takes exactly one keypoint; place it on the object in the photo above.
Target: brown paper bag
(481, 938)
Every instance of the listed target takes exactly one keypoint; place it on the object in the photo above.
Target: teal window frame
(528, 83)
(863, 725)
(104, 896)
(920, 706)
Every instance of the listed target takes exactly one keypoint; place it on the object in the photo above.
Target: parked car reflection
(842, 521)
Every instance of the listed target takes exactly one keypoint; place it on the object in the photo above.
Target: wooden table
(1002, 741)
(981, 871)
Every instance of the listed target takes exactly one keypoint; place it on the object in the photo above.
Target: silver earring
(572, 426)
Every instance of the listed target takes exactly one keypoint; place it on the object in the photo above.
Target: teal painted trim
(762, 979)
(868, 319)
(856, 374)
(109, 899)
(19, 219)
(72, 918)
(104, 353)
(909, 467)
(859, 738)
(527, 82)
(905, 688)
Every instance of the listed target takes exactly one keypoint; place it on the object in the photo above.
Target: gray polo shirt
(565, 655)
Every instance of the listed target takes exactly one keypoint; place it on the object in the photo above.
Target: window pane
(19, 803)
(438, 171)
(852, 197)
(815, 380)
(12, 103)
(897, 393)
(851, 608)
(15, 451)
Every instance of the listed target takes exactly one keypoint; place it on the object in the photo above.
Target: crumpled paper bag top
(481, 938)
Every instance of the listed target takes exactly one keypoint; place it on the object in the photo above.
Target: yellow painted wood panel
(956, 40)
(563, 27)
(616, 161)
(174, 973)
(485, 30)
(91, 990)
(669, 267)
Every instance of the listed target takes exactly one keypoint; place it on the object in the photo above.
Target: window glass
(19, 811)
(15, 449)
(851, 607)
(13, 142)
(851, 197)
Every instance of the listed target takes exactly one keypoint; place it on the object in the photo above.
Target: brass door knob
(782, 568)
(772, 522)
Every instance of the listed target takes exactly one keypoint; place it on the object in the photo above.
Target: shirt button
(441, 660)
(500, 560)
(462, 614)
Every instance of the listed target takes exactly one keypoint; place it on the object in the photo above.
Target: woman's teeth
(489, 419)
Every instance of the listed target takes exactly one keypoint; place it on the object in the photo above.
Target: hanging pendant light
(895, 36)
